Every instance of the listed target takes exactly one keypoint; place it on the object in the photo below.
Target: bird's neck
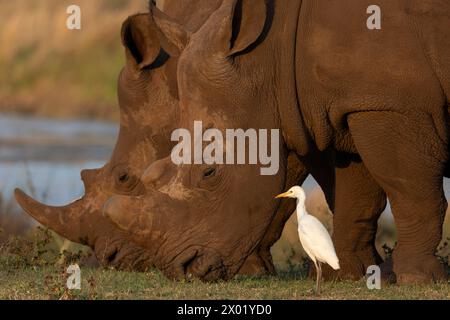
(301, 209)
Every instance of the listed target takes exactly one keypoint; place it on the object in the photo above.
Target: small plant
(39, 248)
(92, 292)
(28, 251)
(54, 285)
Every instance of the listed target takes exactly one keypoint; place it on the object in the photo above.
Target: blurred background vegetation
(48, 70)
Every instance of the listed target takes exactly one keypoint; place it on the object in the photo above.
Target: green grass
(33, 266)
(49, 283)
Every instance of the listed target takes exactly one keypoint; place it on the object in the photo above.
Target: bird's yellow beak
(283, 195)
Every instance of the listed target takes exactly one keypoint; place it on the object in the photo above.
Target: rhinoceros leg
(359, 202)
(407, 157)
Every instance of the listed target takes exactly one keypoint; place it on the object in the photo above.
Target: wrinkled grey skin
(149, 111)
(317, 77)
(203, 221)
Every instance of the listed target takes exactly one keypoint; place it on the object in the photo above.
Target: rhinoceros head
(203, 220)
(148, 112)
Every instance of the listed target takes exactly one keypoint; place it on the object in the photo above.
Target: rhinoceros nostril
(208, 173)
(112, 256)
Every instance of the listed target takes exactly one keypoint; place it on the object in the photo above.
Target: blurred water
(45, 157)
(33, 139)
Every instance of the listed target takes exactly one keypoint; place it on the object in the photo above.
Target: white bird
(314, 237)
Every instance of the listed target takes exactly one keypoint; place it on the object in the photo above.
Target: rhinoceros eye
(208, 173)
(124, 177)
(124, 181)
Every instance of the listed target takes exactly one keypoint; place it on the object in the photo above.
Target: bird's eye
(208, 173)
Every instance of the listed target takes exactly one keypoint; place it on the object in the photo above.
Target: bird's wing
(315, 237)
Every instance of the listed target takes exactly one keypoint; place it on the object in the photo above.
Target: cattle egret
(315, 239)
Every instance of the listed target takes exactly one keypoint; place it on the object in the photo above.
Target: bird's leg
(318, 276)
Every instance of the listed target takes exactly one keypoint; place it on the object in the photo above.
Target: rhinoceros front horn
(63, 220)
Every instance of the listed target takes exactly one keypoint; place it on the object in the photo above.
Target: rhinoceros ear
(172, 36)
(241, 23)
(140, 39)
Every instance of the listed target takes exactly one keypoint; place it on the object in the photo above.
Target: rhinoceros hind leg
(359, 202)
(407, 157)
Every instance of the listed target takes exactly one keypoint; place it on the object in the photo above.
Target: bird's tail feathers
(334, 264)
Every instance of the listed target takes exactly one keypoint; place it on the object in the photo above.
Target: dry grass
(49, 283)
(50, 70)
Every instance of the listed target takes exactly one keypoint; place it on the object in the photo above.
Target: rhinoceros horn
(64, 220)
(68, 221)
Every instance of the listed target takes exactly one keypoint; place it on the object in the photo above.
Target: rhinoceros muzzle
(196, 262)
(177, 261)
